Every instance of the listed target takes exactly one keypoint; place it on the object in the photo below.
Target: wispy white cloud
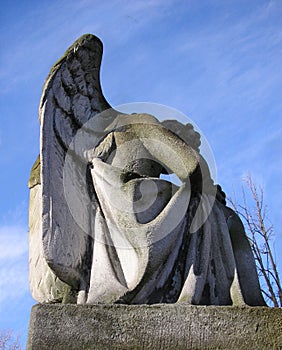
(13, 263)
(59, 24)
(13, 242)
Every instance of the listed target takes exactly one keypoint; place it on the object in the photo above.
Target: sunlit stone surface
(106, 224)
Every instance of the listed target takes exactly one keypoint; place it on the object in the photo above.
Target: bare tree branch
(260, 234)
(8, 341)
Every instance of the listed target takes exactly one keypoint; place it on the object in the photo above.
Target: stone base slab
(153, 327)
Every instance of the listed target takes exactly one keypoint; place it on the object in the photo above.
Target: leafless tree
(260, 233)
(8, 341)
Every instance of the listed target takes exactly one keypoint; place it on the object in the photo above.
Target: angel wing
(71, 98)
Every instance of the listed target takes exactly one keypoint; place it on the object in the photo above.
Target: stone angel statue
(105, 223)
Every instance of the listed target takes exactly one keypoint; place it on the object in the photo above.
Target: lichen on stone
(34, 178)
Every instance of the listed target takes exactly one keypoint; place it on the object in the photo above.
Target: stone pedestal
(170, 326)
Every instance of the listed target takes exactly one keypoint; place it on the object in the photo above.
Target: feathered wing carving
(66, 211)
(71, 97)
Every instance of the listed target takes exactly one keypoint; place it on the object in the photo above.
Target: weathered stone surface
(169, 326)
(34, 178)
(105, 225)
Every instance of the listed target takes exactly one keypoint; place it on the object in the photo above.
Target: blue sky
(218, 62)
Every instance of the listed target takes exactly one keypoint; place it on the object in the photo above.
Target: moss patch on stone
(34, 178)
